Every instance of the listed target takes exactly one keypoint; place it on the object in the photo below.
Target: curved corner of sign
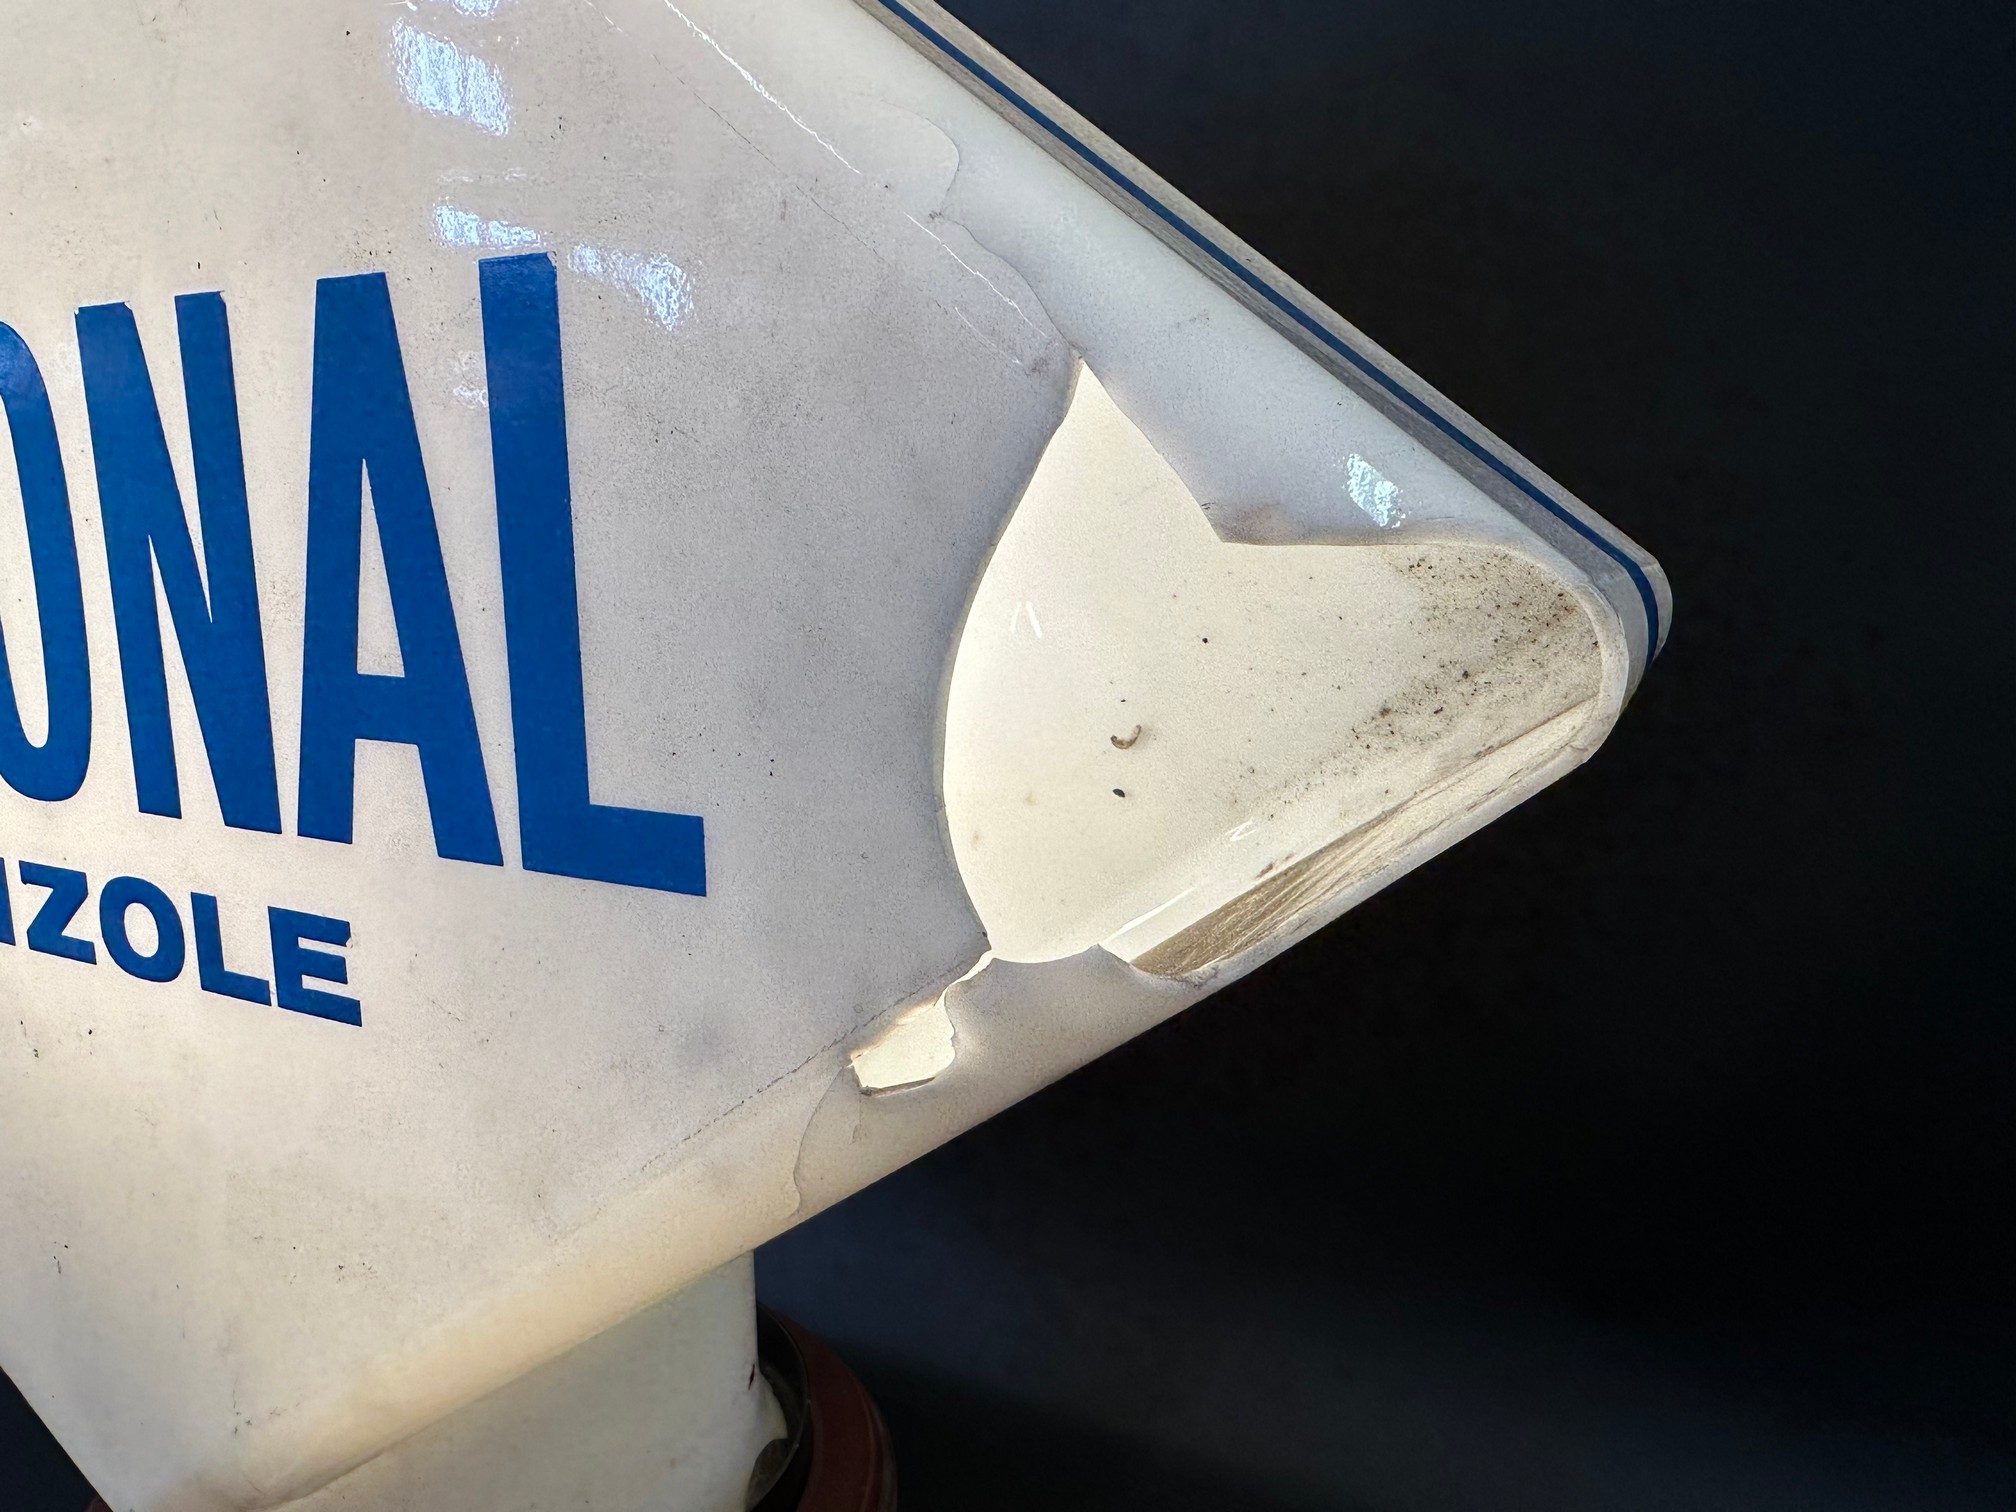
(1662, 599)
(1186, 744)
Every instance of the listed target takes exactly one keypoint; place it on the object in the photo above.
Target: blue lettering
(211, 972)
(361, 416)
(292, 962)
(67, 891)
(55, 769)
(560, 830)
(145, 525)
(122, 893)
(362, 430)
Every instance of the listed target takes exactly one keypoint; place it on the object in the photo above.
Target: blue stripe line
(1303, 319)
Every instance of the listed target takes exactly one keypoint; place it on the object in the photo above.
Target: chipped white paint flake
(913, 1050)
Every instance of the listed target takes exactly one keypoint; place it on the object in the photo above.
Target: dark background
(1651, 1149)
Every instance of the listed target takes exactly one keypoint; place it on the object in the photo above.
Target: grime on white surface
(1042, 636)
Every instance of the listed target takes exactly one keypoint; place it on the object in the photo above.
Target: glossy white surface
(664, 1412)
(1146, 721)
(822, 306)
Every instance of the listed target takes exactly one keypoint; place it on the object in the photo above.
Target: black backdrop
(1648, 1150)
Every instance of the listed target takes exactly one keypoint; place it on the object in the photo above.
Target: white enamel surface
(664, 1411)
(822, 307)
(1146, 721)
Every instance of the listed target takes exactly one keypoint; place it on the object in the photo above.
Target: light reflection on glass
(1373, 492)
(658, 281)
(460, 228)
(444, 80)
(663, 287)
(469, 385)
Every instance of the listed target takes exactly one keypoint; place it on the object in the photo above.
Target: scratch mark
(757, 84)
(1160, 908)
(992, 286)
(987, 341)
